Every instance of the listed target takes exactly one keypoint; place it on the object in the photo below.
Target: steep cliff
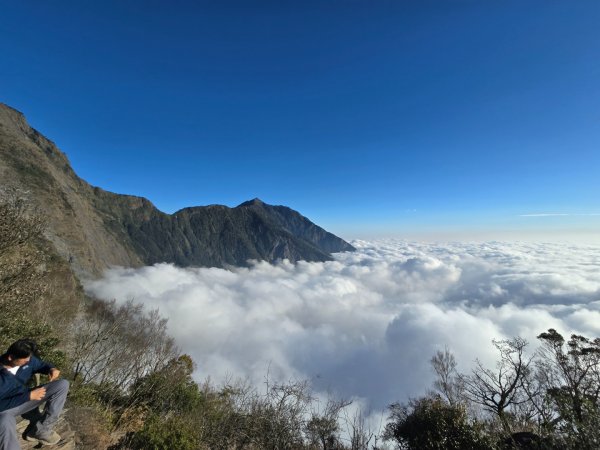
(94, 229)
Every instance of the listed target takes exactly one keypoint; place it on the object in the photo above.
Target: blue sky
(369, 117)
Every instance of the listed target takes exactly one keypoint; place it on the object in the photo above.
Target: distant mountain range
(95, 229)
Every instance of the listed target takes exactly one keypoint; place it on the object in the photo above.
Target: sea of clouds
(365, 325)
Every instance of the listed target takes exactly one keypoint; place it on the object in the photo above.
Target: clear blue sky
(374, 117)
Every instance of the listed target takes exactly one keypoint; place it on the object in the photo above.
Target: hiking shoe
(51, 438)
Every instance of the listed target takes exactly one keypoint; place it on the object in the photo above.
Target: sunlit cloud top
(365, 325)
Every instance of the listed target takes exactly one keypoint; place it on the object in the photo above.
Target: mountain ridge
(95, 229)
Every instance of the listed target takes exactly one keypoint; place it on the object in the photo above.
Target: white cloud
(366, 324)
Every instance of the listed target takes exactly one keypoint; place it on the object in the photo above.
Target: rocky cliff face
(95, 229)
(217, 235)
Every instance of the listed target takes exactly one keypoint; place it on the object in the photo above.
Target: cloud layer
(365, 325)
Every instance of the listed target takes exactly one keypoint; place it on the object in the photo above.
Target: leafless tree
(361, 435)
(115, 345)
(500, 389)
(280, 414)
(19, 222)
(22, 266)
(322, 428)
(449, 383)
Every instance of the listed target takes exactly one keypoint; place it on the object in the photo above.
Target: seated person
(17, 366)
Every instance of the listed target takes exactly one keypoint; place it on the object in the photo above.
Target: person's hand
(54, 374)
(37, 394)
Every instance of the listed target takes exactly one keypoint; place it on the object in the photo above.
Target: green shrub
(432, 424)
(174, 433)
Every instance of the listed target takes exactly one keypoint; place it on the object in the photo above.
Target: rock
(62, 427)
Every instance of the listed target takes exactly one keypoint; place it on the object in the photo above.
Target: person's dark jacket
(13, 388)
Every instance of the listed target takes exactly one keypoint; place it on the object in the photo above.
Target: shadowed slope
(95, 229)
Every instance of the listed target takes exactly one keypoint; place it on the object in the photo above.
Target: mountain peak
(254, 202)
(96, 229)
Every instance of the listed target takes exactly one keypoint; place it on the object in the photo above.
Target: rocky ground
(62, 427)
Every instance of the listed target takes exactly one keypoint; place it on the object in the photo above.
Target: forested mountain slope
(94, 229)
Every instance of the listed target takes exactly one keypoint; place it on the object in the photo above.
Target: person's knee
(62, 384)
(57, 386)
